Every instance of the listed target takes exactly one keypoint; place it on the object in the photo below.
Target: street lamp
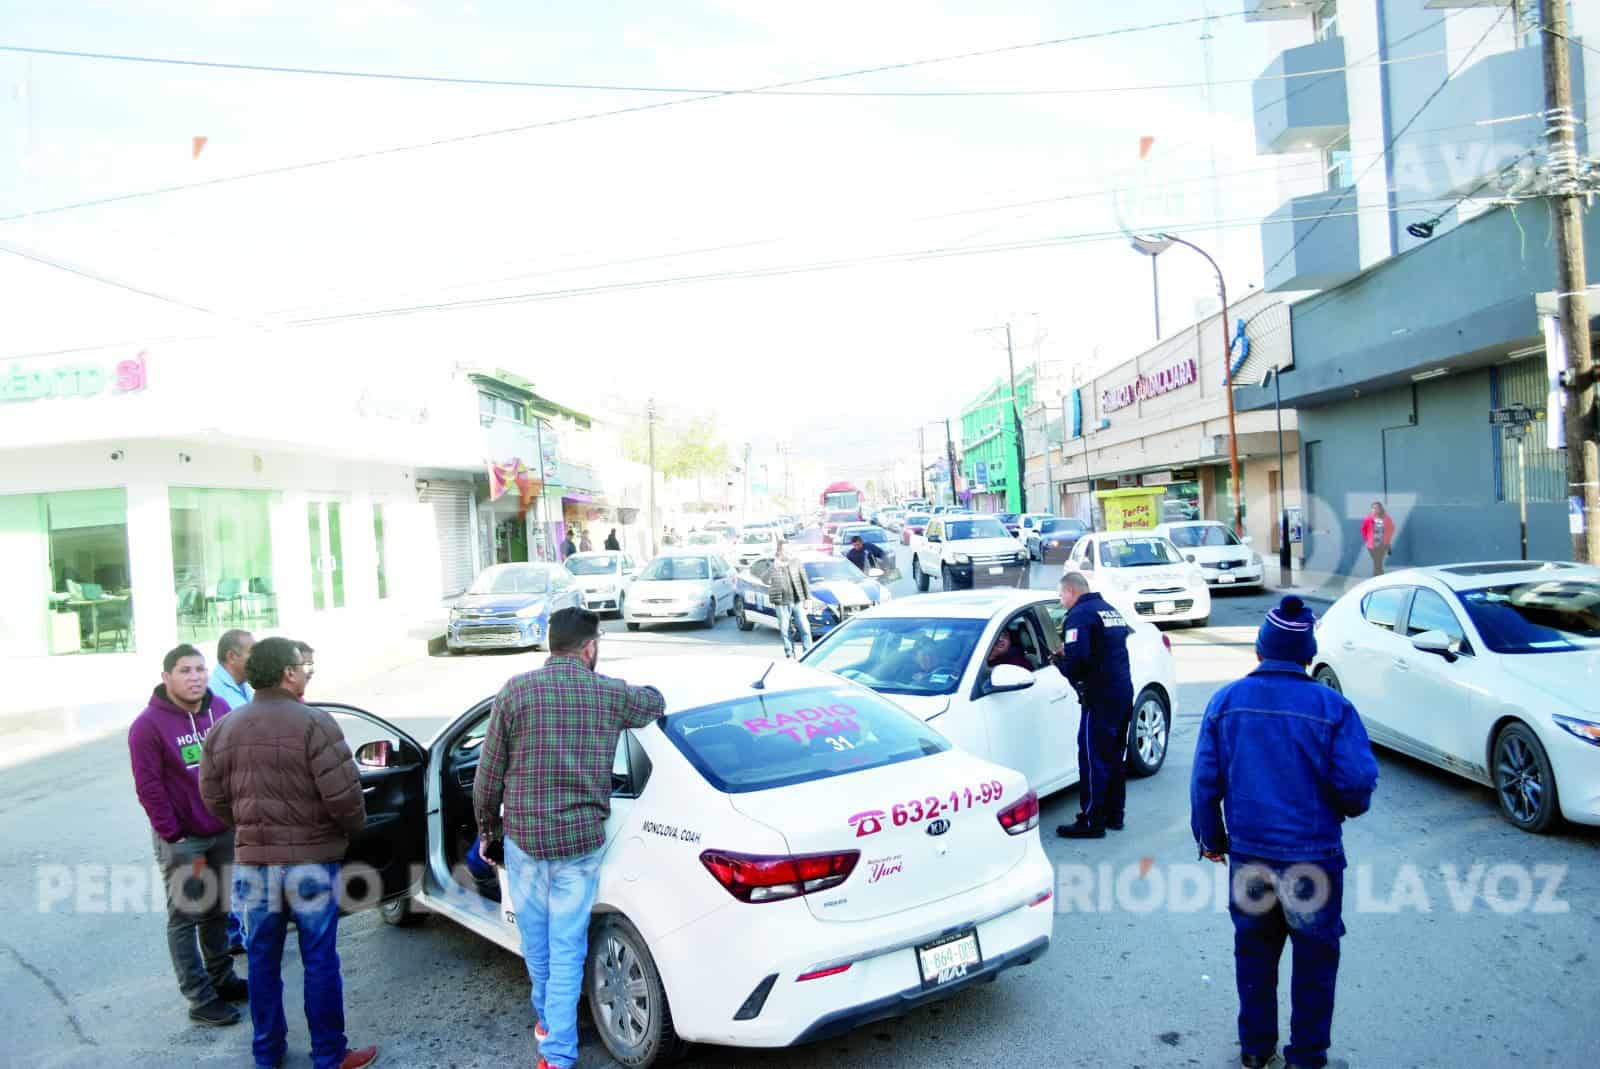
(1285, 567)
(1155, 245)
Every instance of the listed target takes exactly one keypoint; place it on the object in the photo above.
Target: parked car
(1224, 558)
(508, 607)
(930, 654)
(1028, 524)
(754, 543)
(1012, 521)
(968, 551)
(839, 591)
(913, 527)
(1053, 537)
(1143, 573)
(604, 577)
(681, 585)
(789, 825)
(1487, 670)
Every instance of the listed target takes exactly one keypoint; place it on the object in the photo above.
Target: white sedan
(788, 856)
(1224, 558)
(680, 585)
(1491, 671)
(931, 654)
(1142, 572)
(604, 577)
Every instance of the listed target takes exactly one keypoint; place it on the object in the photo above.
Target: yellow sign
(1135, 509)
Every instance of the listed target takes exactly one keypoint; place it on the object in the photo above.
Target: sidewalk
(1320, 589)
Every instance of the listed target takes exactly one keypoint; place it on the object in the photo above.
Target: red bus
(840, 497)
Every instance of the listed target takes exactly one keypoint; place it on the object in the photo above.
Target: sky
(815, 269)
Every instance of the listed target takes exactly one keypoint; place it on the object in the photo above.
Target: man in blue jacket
(1281, 762)
(1094, 658)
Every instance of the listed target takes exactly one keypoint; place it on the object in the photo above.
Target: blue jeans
(270, 895)
(235, 919)
(552, 900)
(1302, 902)
(797, 614)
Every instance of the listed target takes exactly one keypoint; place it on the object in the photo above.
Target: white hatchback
(860, 865)
(1142, 573)
(1491, 671)
(931, 654)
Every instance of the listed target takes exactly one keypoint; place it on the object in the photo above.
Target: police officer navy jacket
(1094, 654)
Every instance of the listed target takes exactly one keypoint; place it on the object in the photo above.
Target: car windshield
(676, 568)
(604, 564)
(866, 534)
(707, 538)
(1553, 616)
(1061, 526)
(761, 741)
(986, 527)
(918, 519)
(833, 571)
(842, 515)
(1137, 552)
(755, 538)
(1007, 517)
(900, 656)
(512, 579)
(1192, 535)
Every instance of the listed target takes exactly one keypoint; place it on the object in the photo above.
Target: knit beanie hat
(1286, 634)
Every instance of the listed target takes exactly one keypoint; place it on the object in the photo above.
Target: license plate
(997, 570)
(948, 959)
(1224, 578)
(1165, 607)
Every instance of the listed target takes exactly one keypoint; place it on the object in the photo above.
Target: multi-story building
(1428, 242)
(990, 481)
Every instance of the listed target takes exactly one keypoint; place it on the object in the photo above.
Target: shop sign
(72, 380)
(1155, 478)
(1153, 384)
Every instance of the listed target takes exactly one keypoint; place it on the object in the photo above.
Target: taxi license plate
(949, 959)
(1224, 578)
(997, 570)
(1166, 607)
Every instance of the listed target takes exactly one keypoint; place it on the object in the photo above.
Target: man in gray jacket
(283, 777)
(788, 589)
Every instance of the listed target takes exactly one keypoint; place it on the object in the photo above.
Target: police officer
(1094, 658)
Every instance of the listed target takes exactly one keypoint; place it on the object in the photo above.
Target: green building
(989, 445)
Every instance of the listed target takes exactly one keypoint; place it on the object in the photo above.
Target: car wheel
(402, 912)
(622, 602)
(1149, 733)
(1327, 678)
(745, 623)
(632, 626)
(711, 613)
(919, 576)
(1524, 780)
(945, 582)
(626, 997)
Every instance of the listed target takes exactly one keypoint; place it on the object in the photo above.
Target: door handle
(1402, 664)
(1348, 644)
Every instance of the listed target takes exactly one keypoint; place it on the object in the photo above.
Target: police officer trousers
(1103, 759)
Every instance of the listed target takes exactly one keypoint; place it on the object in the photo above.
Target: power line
(1389, 147)
(545, 124)
(103, 279)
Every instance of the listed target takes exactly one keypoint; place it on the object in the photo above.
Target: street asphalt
(1469, 943)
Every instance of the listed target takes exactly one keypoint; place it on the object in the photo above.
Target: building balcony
(1320, 258)
(1296, 109)
(1275, 10)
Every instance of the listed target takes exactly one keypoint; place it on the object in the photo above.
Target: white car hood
(1215, 554)
(674, 589)
(1566, 681)
(596, 582)
(984, 546)
(1132, 579)
(922, 706)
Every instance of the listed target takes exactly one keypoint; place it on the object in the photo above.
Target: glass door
(327, 555)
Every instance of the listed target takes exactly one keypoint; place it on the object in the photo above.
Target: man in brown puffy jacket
(283, 777)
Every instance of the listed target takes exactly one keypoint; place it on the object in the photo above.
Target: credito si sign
(22, 383)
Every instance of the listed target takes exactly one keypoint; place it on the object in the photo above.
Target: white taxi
(932, 655)
(862, 864)
(1142, 573)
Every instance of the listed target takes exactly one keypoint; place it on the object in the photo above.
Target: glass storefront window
(1224, 500)
(222, 561)
(383, 560)
(1181, 503)
(91, 603)
(327, 554)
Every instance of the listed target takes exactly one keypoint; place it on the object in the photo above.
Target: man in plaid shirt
(547, 757)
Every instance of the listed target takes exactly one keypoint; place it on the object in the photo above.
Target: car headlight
(1255, 558)
(960, 558)
(530, 610)
(1587, 730)
(1022, 555)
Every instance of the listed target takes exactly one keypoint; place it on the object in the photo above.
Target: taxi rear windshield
(763, 740)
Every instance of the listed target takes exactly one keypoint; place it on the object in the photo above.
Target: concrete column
(155, 598)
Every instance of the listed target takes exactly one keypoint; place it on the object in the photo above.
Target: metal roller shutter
(452, 516)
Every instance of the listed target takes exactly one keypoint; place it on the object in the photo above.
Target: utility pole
(744, 504)
(1016, 428)
(922, 467)
(1572, 302)
(950, 459)
(650, 432)
(1044, 425)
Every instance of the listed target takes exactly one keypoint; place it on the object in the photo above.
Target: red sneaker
(359, 1059)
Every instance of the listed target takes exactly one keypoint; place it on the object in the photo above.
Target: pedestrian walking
(1094, 658)
(1377, 531)
(568, 546)
(788, 589)
(611, 542)
(228, 682)
(193, 848)
(543, 790)
(280, 772)
(1282, 761)
(864, 554)
(584, 544)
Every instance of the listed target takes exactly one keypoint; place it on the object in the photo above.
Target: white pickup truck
(967, 551)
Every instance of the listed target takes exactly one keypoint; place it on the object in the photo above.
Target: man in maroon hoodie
(194, 848)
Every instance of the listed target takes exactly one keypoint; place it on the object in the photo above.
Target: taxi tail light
(1021, 816)
(759, 878)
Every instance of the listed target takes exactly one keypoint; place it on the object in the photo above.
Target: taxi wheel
(402, 912)
(1148, 734)
(745, 623)
(632, 626)
(626, 997)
